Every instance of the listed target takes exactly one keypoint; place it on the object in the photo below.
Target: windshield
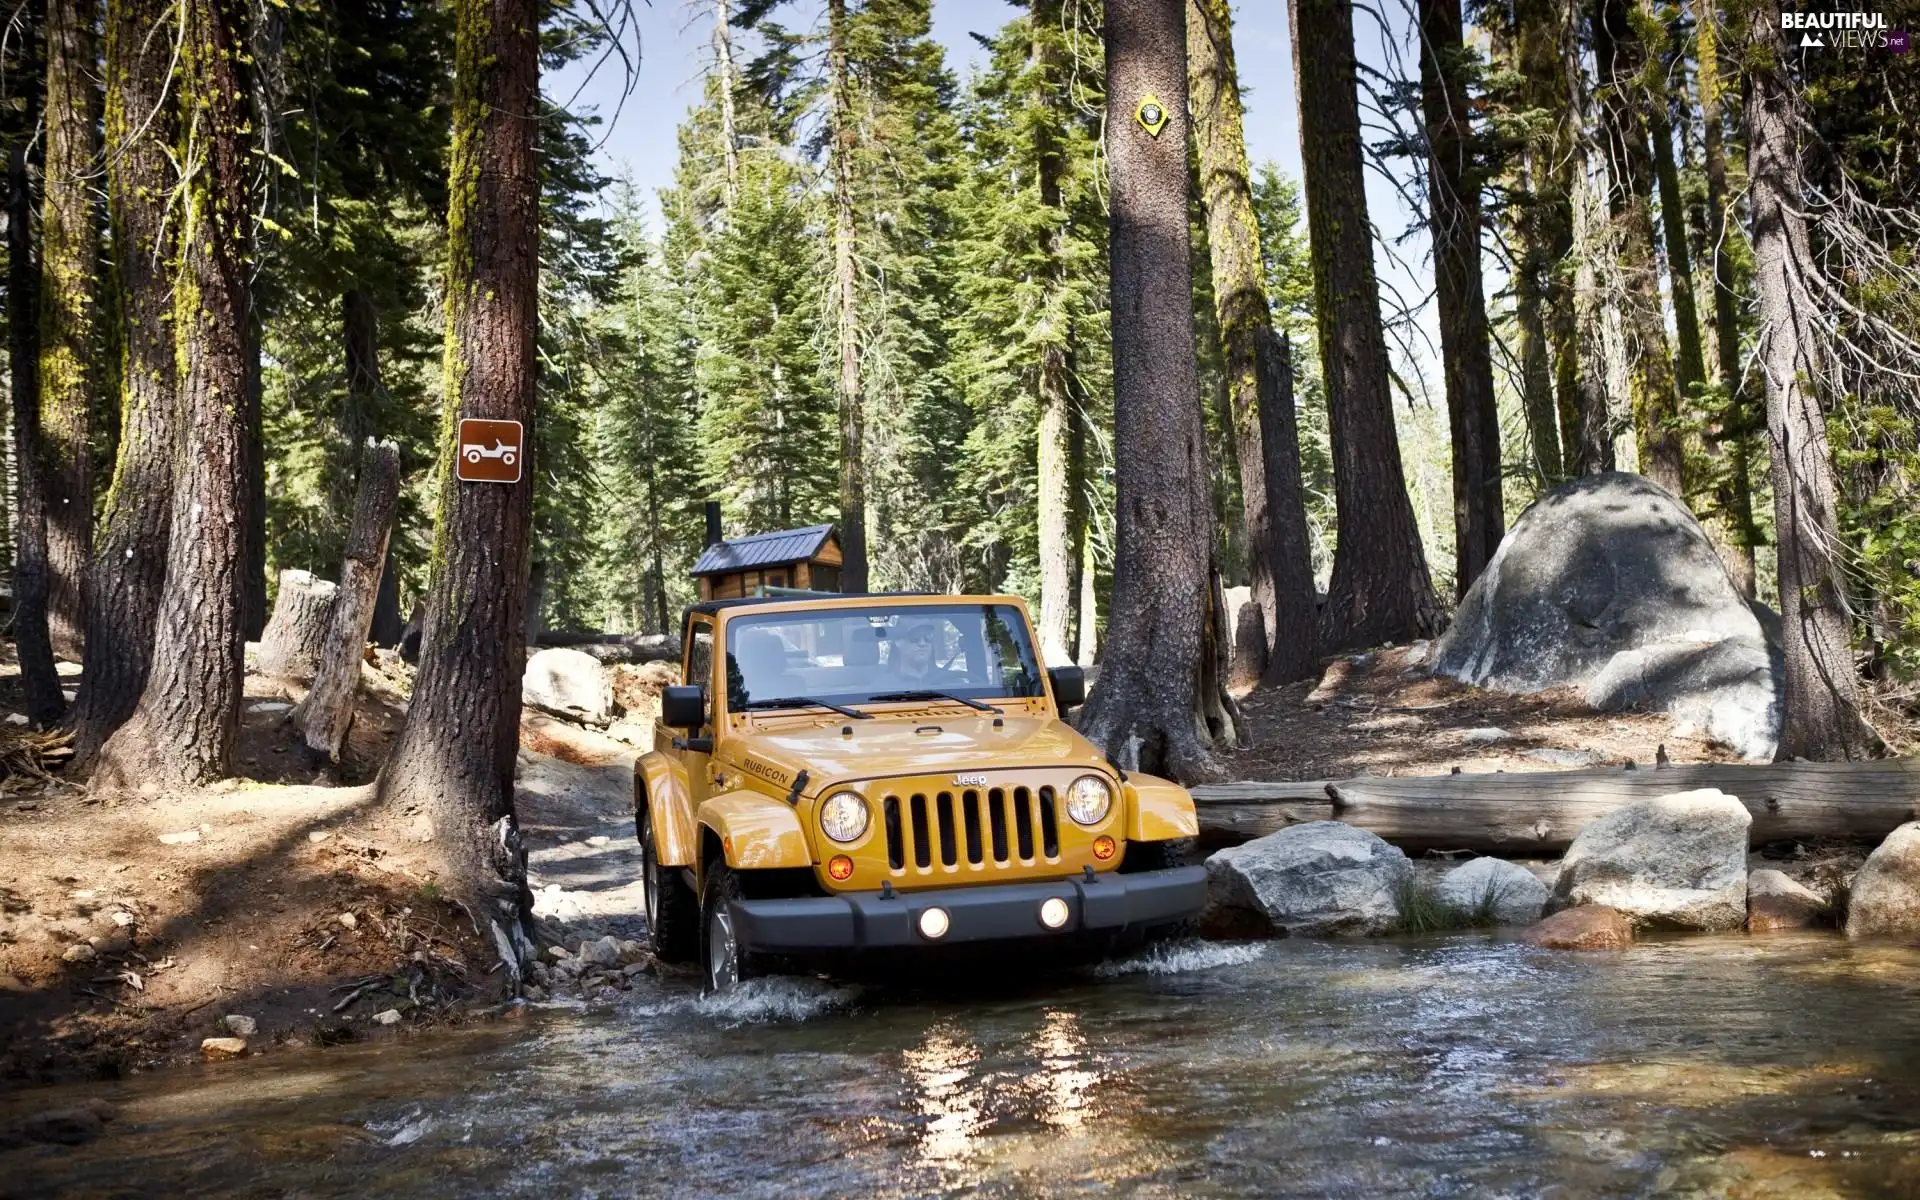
(851, 655)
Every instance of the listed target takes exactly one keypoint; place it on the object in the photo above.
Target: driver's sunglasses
(919, 639)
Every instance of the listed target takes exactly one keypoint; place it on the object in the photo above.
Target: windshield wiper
(806, 702)
(924, 695)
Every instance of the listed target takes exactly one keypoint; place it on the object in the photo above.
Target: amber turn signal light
(841, 867)
(1103, 847)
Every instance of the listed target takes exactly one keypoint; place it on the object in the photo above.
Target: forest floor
(132, 926)
(1381, 713)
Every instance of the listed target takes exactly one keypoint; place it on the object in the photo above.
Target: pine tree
(32, 639)
(1624, 98)
(1453, 202)
(187, 722)
(1274, 511)
(1149, 708)
(1380, 590)
(766, 405)
(69, 312)
(1820, 716)
(453, 761)
(123, 587)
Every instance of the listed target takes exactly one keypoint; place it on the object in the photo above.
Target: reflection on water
(1462, 1065)
(940, 1072)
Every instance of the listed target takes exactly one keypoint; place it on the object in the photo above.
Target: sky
(674, 51)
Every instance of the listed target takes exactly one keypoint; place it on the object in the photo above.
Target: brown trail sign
(489, 451)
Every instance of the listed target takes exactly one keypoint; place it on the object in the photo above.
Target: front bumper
(991, 912)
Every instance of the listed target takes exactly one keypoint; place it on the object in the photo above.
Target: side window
(700, 655)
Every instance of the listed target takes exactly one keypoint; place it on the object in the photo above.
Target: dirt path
(575, 804)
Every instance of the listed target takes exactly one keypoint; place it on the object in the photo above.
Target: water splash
(1178, 958)
(405, 1130)
(775, 998)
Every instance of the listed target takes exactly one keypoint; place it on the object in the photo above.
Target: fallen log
(1537, 814)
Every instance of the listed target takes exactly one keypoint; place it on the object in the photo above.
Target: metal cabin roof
(776, 549)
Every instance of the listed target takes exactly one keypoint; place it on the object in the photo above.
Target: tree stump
(290, 645)
(325, 715)
(1249, 646)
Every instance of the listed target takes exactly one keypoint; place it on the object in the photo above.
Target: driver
(912, 659)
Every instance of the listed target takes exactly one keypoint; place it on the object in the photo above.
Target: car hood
(922, 745)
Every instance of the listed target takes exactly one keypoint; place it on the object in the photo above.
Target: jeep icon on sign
(848, 774)
(489, 451)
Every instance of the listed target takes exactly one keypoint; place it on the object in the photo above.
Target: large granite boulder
(1316, 879)
(1609, 584)
(1510, 893)
(568, 683)
(1886, 893)
(1676, 862)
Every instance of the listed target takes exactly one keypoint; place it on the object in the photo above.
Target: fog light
(1054, 912)
(933, 924)
(840, 867)
(1103, 848)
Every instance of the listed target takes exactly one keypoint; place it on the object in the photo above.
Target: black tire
(1154, 856)
(673, 917)
(724, 956)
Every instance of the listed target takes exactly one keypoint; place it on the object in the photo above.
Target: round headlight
(844, 816)
(1089, 799)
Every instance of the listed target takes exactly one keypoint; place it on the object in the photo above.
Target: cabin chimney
(713, 522)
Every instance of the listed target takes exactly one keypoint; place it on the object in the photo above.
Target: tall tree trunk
(37, 675)
(729, 134)
(453, 762)
(1146, 710)
(266, 34)
(1056, 478)
(846, 287)
(129, 568)
(1689, 363)
(1530, 273)
(1621, 58)
(184, 729)
(360, 333)
(1736, 420)
(1546, 50)
(1453, 198)
(1821, 718)
(1280, 565)
(69, 313)
(360, 337)
(1574, 241)
(1381, 591)
(1295, 654)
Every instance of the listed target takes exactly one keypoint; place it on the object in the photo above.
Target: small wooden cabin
(789, 558)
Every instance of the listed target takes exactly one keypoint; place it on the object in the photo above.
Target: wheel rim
(723, 953)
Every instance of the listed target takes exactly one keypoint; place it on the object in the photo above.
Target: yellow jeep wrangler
(852, 773)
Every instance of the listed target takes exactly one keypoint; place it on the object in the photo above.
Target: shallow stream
(1459, 1065)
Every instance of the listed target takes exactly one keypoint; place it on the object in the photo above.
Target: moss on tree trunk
(452, 766)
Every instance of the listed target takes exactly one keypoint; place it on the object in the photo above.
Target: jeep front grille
(970, 825)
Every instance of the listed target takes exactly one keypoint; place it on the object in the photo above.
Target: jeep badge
(969, 781)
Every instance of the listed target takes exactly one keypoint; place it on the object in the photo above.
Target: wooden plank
(1538, 813)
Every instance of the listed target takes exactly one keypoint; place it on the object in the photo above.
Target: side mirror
(1069, 686)
(683, 706)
